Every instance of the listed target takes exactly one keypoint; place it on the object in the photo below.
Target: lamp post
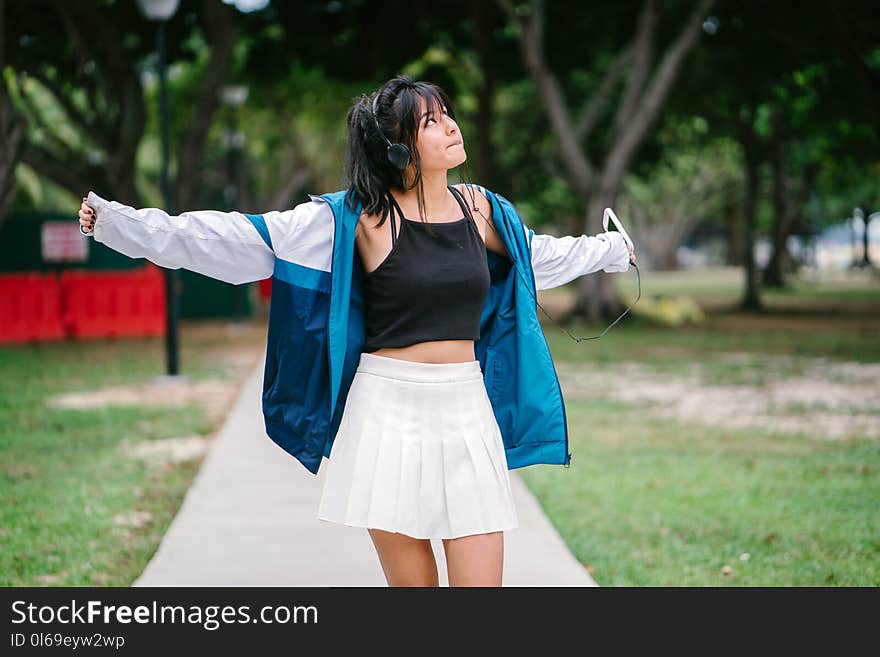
(233, 96)
(160, 11)
(858, 217)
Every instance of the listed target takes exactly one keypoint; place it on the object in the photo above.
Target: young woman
(415, 447)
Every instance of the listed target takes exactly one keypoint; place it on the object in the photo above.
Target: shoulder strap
(391, 208)
(464, 206)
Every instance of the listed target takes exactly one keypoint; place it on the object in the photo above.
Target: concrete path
(249, 520)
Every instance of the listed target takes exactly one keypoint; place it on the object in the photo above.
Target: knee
(412, 573)
(414, 582)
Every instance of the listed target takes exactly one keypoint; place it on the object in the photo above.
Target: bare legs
(407, 561)
(475, 560)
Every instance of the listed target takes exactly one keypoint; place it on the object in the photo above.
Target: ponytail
(370, 174)
(368, 182)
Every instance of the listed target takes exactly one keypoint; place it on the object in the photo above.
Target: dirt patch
(133, 519)
(167, 450)
(826, 400)
(213, 395)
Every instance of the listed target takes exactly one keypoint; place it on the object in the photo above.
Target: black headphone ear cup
(398, 155)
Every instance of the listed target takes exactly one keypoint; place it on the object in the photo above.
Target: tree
(795, 107)
(83, 98)
(596, 171)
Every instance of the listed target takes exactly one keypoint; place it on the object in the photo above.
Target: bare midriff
(434, 351)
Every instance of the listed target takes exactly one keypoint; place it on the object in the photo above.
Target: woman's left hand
(86, 216)
(632, 254)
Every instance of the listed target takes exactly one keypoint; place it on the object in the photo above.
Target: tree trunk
(666, 259)
(751, 300)
(772, 275)
(12, 133)
(733, 255)
(866, 261)
(788, 210)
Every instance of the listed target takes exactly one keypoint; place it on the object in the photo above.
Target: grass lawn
(657, 501)
(76, 509)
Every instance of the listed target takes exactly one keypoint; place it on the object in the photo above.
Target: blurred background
(725, 431)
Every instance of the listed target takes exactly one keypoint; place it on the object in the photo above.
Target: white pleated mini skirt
(418, 452)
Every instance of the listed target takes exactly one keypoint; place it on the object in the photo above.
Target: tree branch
(643, 57)
(651, 101)
(104, 34)
(221, 34)
(578, 168)
(282, 199)
(59, 170)
(123, 118)
(593, 109)
(35, 116)
(73, 113)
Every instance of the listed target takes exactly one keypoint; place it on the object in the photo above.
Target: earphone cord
(576, 339)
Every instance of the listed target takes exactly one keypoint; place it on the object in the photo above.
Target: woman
(411, 328)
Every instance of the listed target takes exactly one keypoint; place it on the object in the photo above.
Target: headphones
(398, 154)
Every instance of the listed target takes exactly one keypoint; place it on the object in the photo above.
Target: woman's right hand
(86, 216)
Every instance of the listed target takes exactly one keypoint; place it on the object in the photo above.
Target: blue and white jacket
(316, 329)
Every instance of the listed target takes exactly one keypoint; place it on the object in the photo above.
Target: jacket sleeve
(230, 246)
(559, 260)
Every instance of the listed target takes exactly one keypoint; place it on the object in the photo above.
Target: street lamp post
(160, 11)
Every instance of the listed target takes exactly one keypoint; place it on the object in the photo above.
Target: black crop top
(429, 287)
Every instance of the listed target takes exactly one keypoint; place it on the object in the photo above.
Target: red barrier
(82, 304)
(114, 303)
(30, 308)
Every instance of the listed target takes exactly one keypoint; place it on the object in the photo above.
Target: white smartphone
(610, 213)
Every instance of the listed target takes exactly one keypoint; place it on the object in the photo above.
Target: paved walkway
(249, 520)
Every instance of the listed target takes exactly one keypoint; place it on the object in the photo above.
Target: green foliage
(525, 157)
(696, 173)
(305, 63)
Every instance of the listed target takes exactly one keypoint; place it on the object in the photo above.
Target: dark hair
(370, 175)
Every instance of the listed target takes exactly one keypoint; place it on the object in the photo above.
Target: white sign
(62, 242)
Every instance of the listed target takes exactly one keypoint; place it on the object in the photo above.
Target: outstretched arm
(230, 246)
(558, 260)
